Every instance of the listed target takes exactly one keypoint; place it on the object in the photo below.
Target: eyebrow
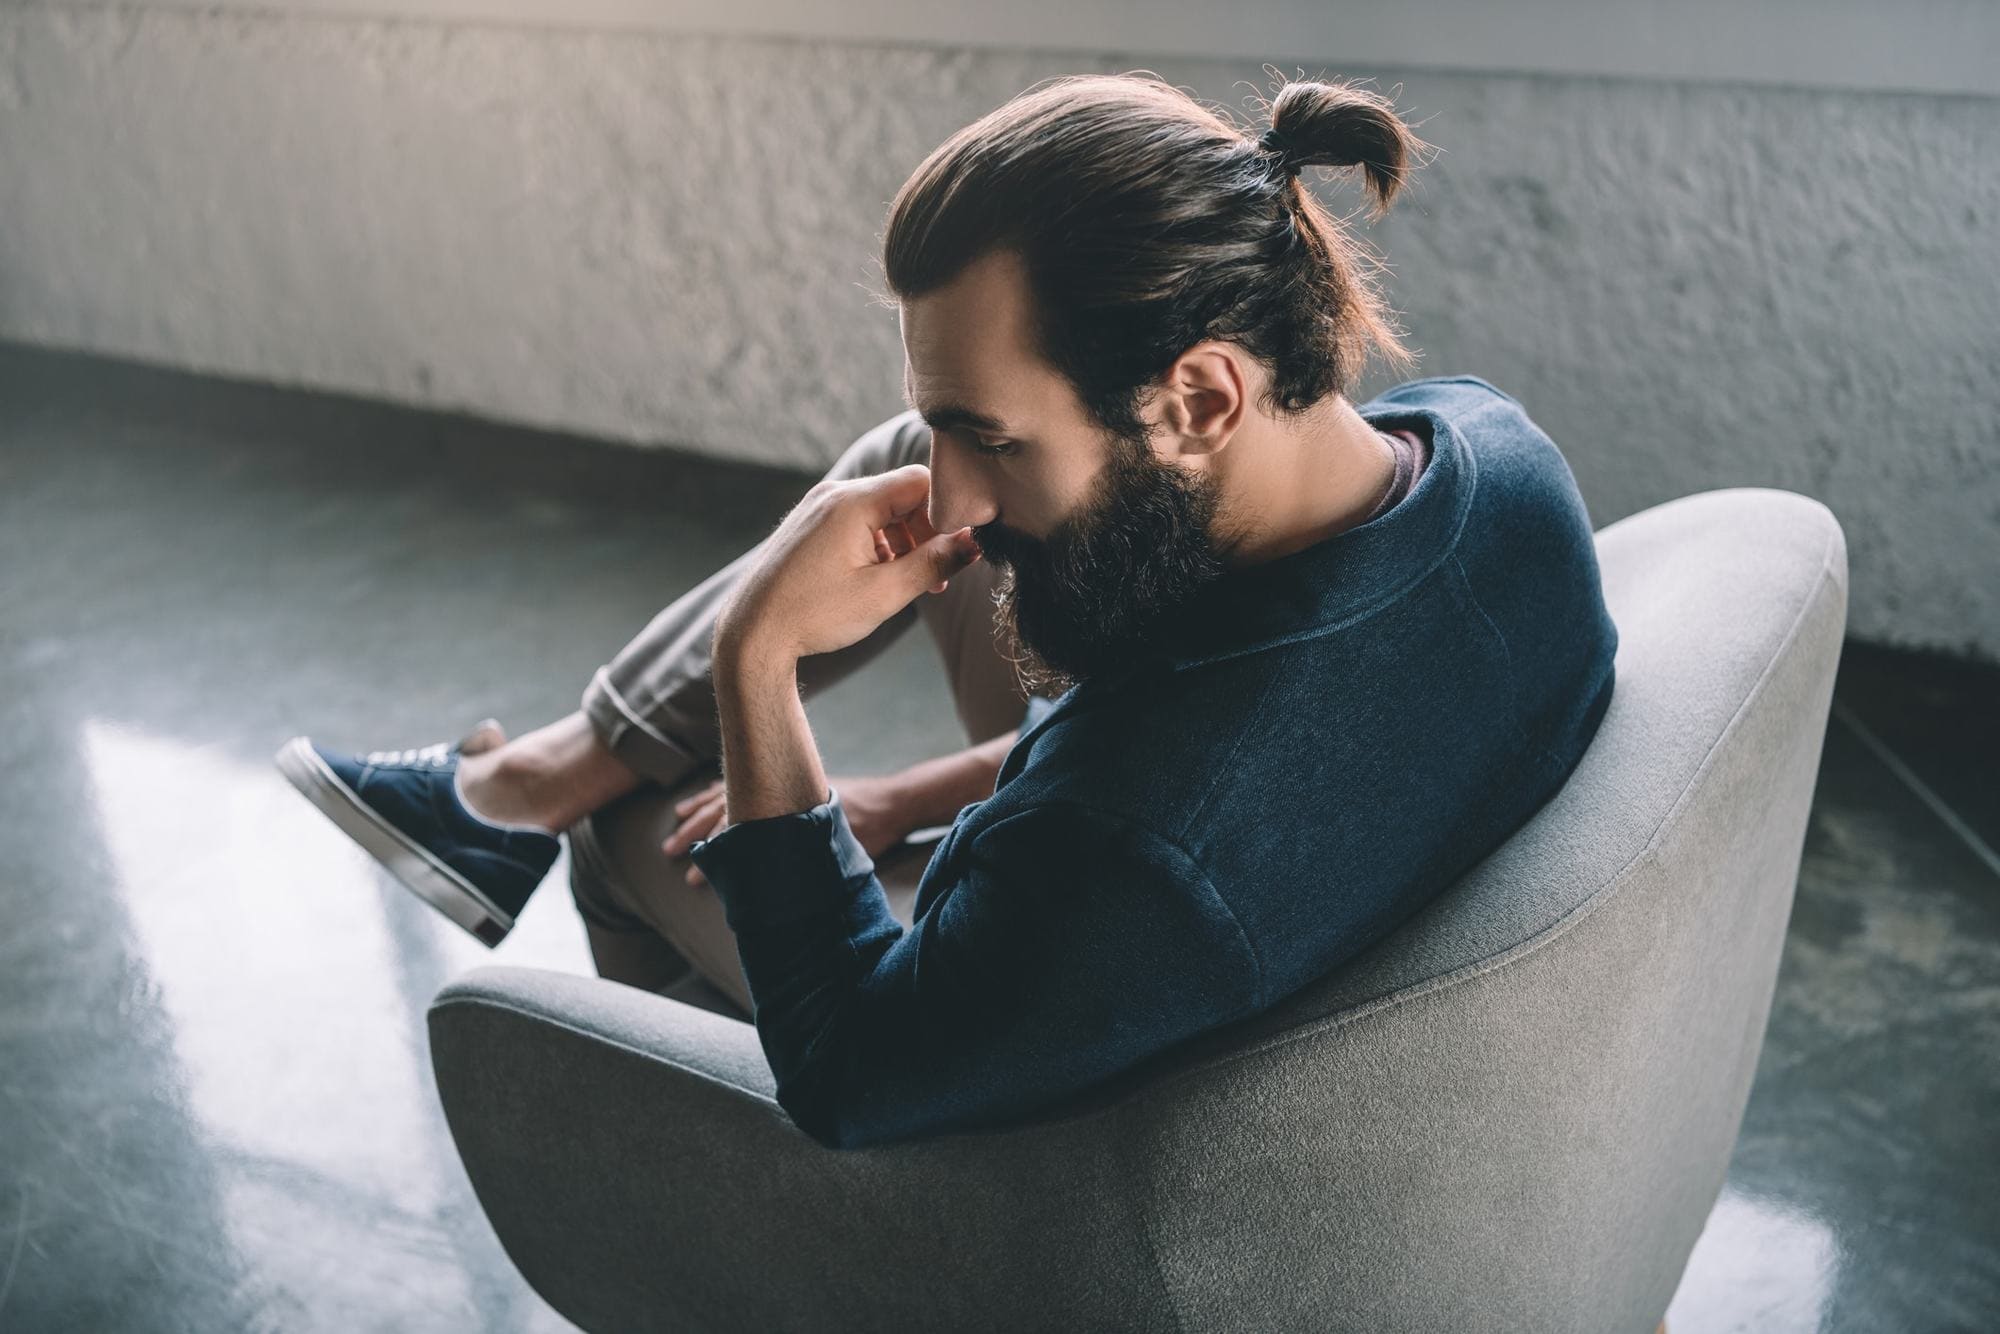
(951, 416)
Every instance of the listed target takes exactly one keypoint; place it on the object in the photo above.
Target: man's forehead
(988, 296)
(959, 377)
(966, 344)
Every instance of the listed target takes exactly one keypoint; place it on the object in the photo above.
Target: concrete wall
(670, 238)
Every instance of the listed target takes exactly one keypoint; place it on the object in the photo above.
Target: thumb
(947, 554)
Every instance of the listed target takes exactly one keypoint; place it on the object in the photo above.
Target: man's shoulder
(1524, 483)
(1485, 418)
(1447, 395)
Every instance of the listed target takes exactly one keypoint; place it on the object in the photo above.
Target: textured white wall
(670, 239)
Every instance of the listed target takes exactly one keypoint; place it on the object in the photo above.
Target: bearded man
(1251, 672)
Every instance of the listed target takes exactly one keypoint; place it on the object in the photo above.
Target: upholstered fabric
(1515, 1112)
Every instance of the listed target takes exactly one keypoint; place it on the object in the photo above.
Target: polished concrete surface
(215, 1102)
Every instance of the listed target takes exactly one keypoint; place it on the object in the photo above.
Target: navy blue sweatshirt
(1323, 743)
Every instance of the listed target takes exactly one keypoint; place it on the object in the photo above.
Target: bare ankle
(503, 786)
(550, 777)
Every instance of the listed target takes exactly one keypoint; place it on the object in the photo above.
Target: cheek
(1018, 505)
(1034, 518)
(1038, 504)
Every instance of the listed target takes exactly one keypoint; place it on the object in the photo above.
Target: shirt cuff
(784, 869)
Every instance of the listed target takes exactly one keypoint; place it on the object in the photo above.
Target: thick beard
(1091, 598)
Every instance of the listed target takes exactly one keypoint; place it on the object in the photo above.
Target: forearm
(936, 790)
(770, 765)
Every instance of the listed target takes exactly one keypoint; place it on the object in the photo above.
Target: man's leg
(470, 828)
(649, 714)
(653, 705)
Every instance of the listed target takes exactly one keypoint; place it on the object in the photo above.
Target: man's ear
(1203, 398)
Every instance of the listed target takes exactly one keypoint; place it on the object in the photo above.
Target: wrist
(934, 791)
(739, 650)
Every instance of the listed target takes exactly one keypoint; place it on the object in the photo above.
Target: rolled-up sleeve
(1069, 944)
(784, 870)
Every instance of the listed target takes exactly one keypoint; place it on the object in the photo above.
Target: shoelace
(435, 755)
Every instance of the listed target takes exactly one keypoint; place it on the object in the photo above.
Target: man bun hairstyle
(1148, 221)
(1340, 125)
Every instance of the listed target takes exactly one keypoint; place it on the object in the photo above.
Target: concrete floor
(216, 1110)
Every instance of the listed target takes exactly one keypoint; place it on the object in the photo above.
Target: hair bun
(1275, 141)
(1343, 125)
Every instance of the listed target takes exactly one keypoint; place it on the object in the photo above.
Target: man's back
(1336, 735)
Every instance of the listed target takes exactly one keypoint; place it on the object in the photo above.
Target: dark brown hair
(1147, 222)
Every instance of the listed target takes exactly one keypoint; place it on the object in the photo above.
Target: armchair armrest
(632, 1157)
(623, 1144)
(706, 1045)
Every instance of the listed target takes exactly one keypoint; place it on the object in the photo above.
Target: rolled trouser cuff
(626, 733)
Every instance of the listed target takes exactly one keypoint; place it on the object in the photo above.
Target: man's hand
(879, 811)
(847, 557)
(850, 555)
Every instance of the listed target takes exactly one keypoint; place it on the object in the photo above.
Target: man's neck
(1289, 485)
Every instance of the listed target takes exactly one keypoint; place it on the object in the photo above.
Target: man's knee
(893, 443)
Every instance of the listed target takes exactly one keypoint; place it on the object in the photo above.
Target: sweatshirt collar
(1333, 582)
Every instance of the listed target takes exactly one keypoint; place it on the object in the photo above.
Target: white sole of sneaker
(403, 857)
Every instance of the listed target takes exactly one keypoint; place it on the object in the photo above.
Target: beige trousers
(653, 706)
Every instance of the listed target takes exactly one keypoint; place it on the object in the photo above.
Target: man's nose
(957, 495)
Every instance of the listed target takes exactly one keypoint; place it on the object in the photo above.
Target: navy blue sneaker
(403, 808)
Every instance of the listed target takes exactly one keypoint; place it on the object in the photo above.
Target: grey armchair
(1515, 1113)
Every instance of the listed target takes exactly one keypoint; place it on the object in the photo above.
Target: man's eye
(998, 449)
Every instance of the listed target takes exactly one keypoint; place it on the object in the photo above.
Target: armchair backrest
(1517, 1111)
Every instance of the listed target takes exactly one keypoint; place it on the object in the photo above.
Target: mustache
(1002, 545)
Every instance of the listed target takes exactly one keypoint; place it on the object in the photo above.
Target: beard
(1092, 597)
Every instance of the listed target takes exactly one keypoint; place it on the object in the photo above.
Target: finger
(918, 521)
(947, 554)
(893, 494)
(704, 795)
(695, 877)
(897, 535)
(695, 826)
(944, 557)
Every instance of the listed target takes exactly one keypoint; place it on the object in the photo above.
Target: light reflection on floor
(1761, 1267)
(297, 1014)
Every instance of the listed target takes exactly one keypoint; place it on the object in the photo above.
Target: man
(1312, 661)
